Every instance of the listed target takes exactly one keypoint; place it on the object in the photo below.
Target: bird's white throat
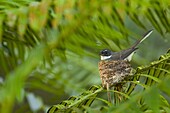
(105, 57)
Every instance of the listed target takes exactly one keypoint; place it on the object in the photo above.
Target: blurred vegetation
(49, 52)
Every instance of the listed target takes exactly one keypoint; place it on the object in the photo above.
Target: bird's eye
(105, 52)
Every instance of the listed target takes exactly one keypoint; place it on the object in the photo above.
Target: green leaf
(152, 99)
(85, 99)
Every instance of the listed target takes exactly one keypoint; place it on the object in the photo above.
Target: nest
(113, 72)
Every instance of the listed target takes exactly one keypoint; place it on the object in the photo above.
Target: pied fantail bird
(114, 67)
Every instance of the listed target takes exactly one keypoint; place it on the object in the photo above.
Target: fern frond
(79, 102)
(87, 98)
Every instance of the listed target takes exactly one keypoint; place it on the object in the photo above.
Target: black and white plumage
(114, 67)
(107, 54)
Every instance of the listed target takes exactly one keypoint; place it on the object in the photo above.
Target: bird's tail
(143, 38)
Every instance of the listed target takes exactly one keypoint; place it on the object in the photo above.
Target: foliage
(148, 95)
(49, 52)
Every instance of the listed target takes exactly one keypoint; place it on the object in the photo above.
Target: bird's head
(105, 54)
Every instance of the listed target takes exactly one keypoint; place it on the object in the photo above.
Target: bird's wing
(125, 54)
(128, 53)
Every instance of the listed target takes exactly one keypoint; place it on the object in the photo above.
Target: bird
(114, 67)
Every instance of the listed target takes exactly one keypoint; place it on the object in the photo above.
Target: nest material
(113, 72)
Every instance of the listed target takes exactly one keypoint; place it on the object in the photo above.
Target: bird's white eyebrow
(105, 57)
